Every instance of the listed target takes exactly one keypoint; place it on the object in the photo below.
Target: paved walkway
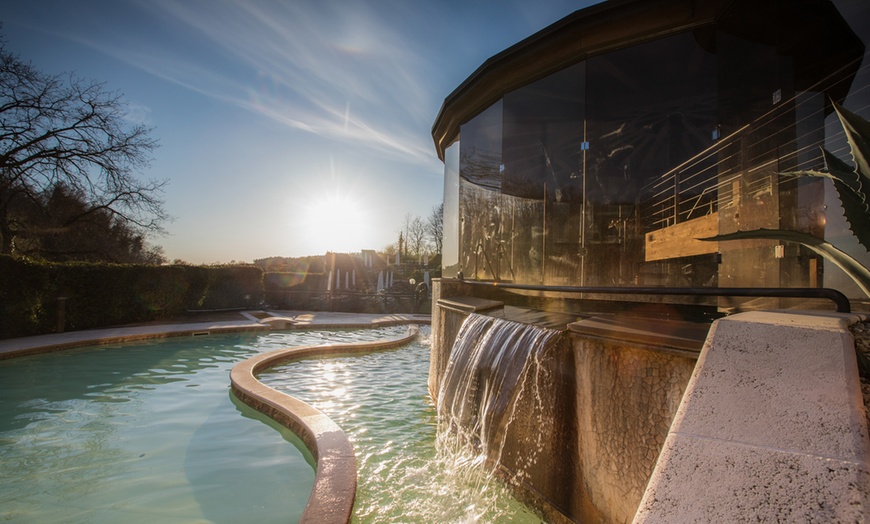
(225, 322)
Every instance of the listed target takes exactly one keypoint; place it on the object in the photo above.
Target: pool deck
(202, 323)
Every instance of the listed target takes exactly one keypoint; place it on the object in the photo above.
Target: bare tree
(435, 227)
(390, 251)
(60, 130)
(416, 240)
(409, 218)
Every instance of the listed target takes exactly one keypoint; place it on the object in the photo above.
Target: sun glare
(337, 222)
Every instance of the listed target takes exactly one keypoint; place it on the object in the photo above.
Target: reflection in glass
(606, 172)
(450, 241)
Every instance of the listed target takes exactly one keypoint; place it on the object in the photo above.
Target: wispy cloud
(338, 70)
(137, 114)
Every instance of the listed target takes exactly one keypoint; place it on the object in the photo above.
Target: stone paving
(211, 322)
(771, 427)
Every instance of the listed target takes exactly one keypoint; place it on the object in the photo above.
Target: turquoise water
(149, 432)
(408, 471)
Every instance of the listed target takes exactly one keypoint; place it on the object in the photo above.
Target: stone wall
(626, 399)
(445, 326)
(588, 427)
(589, 420)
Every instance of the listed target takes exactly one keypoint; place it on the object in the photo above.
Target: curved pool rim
(334, 491)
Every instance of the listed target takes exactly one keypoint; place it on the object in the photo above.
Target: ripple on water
(381, 401)
(148, 432)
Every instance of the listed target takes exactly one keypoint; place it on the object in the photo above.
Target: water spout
(483, 380)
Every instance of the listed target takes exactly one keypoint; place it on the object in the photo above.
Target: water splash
(487, 371)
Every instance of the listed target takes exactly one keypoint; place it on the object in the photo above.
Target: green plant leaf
(853, 268)
(837, 170)
(851, 183)
(857, 134)
(843, 173)
(854, 200)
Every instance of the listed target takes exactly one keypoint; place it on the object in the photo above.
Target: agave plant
(852, 187)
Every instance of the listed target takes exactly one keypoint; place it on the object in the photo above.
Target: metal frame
(838, 298)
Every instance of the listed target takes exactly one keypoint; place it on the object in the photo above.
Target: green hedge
(101, 295)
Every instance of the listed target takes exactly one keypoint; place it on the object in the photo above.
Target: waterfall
(483, 379)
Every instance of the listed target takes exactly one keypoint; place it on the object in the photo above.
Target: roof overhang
(604, 27)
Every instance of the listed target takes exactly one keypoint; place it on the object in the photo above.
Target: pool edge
(334, 492)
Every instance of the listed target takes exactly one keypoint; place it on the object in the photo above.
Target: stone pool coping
(771, 427)
(237, 322)
(334, 491)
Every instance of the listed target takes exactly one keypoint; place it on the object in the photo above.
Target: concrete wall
(626, 397)
(445, 326)
(589, 422)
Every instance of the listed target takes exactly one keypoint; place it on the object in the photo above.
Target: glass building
(599, 150)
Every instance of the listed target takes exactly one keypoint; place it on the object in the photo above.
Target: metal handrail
(838, 298)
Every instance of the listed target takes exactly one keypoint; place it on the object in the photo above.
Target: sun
(336, 214)
(337, 222)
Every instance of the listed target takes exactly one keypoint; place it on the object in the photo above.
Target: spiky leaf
(851, 183)
(857, 272)
(858, 135)
(852, 193)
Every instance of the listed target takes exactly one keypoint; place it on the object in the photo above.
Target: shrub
(99, 295)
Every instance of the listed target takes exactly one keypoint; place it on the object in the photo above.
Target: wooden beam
(680, 240)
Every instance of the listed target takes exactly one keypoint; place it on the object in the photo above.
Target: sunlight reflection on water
(148, 432)
(406, 473)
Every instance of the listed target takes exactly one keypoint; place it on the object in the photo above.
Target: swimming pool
(149, 432)
(408, 472)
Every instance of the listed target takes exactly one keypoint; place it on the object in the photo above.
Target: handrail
(838, 298)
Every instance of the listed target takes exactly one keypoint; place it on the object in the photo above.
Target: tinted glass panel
(650, 108)
(608, 171)
(480, 148)
(543, 181)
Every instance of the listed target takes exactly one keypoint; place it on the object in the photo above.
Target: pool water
(149, 432)
(407, 471)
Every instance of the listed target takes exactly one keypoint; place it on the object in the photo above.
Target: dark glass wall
(480, 169)
(521, 183)
(555, 198)
(607, 172)
(651, 108)
(543, 159)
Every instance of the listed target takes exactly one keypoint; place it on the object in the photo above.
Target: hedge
(99, 295)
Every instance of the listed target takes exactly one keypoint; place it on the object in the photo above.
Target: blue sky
(287, 128)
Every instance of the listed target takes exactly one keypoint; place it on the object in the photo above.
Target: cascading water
(405, 475)
(488, 366)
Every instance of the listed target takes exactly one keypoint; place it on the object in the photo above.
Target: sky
(286, 127)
